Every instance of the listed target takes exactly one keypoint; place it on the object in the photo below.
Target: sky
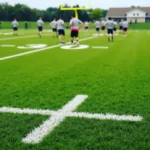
(105, 4)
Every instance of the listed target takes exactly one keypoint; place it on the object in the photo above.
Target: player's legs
(98, 30)
(61, 36)
(72, 37)
(15, 30)
(40, 29)
(110, 34)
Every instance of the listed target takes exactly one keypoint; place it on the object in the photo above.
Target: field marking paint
(8, 45)
(38, 50)
(32, 46)
(21, 37)
(74, 47)
(30, 52)
(56, 117)
(100, 47)
(97, 35)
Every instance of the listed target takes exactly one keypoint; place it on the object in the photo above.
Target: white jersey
(75, 23)
(97, 24)
(125, 24)
(115, 24)
(103, 23)
(110, 24)
(40, 23)
(86, 24)
(53, 24)
(121, 24)
(60, 24)
(15, 24)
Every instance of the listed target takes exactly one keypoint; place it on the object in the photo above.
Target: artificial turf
(117, 81)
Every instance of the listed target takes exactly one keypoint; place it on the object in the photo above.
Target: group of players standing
(75, 24)
(112, 27)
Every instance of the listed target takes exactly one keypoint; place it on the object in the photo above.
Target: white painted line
(38, 50)
(43, 130)
(100, 47)
(56, 117)
(73, 114)
(21, 37)
(8, 45)
(30, 52)
(74, 47)
(107, 116)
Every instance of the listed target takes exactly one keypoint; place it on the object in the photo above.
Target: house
(134, 14)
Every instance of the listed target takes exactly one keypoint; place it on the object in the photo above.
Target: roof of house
(113, 12)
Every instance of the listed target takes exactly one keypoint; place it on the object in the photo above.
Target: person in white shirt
(53, 25)
(121, 26)
(75, 25)
(86, 24)
(110, 26)
(125, 26)
(40, 24)
(97, 25)
(103, 25)
(15, 25)
(115, 26)
(61, 31)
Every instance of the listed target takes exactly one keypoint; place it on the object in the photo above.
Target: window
(134, 14)
(137, 14)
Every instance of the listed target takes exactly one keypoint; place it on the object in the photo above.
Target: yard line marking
(56, 117)
(43, 130)
(38, 50)
(100, 47)
(22, 37)
(30, 52)
(8, 45)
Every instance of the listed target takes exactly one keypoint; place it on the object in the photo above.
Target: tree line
(24, 13)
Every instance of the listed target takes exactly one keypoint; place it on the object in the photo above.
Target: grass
(32, 25)
(117, 81)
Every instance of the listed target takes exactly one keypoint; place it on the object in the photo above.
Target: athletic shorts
(86, 27)
(125, 29)
(110, 31)
(115, 29)
(103, 27)
(54, 30)
(61, 32)
(97, 29)
(15, 28)
(121, 28)
(74, 34)
(40, 28)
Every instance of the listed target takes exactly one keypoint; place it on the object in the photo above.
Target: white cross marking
(56, 117)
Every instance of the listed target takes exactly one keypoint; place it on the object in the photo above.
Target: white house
(134, 14)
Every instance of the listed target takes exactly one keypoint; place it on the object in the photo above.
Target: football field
(95, 96)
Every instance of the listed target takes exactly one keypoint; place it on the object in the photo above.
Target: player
(40, 24)
(15, 25)
(74, 24)
(86, 24)
(61, 31)
(125, 27)
(110, 26)
(121, 26)
(97, 24)
(53, 24)
(103, 25)
(115, 26)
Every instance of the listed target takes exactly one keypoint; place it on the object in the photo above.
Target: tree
(96, 14)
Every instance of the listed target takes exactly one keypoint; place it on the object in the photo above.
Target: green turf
(33, 25)
(116, 80)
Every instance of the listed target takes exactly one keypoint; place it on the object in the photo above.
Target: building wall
(136, 19)
(136, 13)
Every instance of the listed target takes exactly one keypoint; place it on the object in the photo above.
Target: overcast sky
(43, 4)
